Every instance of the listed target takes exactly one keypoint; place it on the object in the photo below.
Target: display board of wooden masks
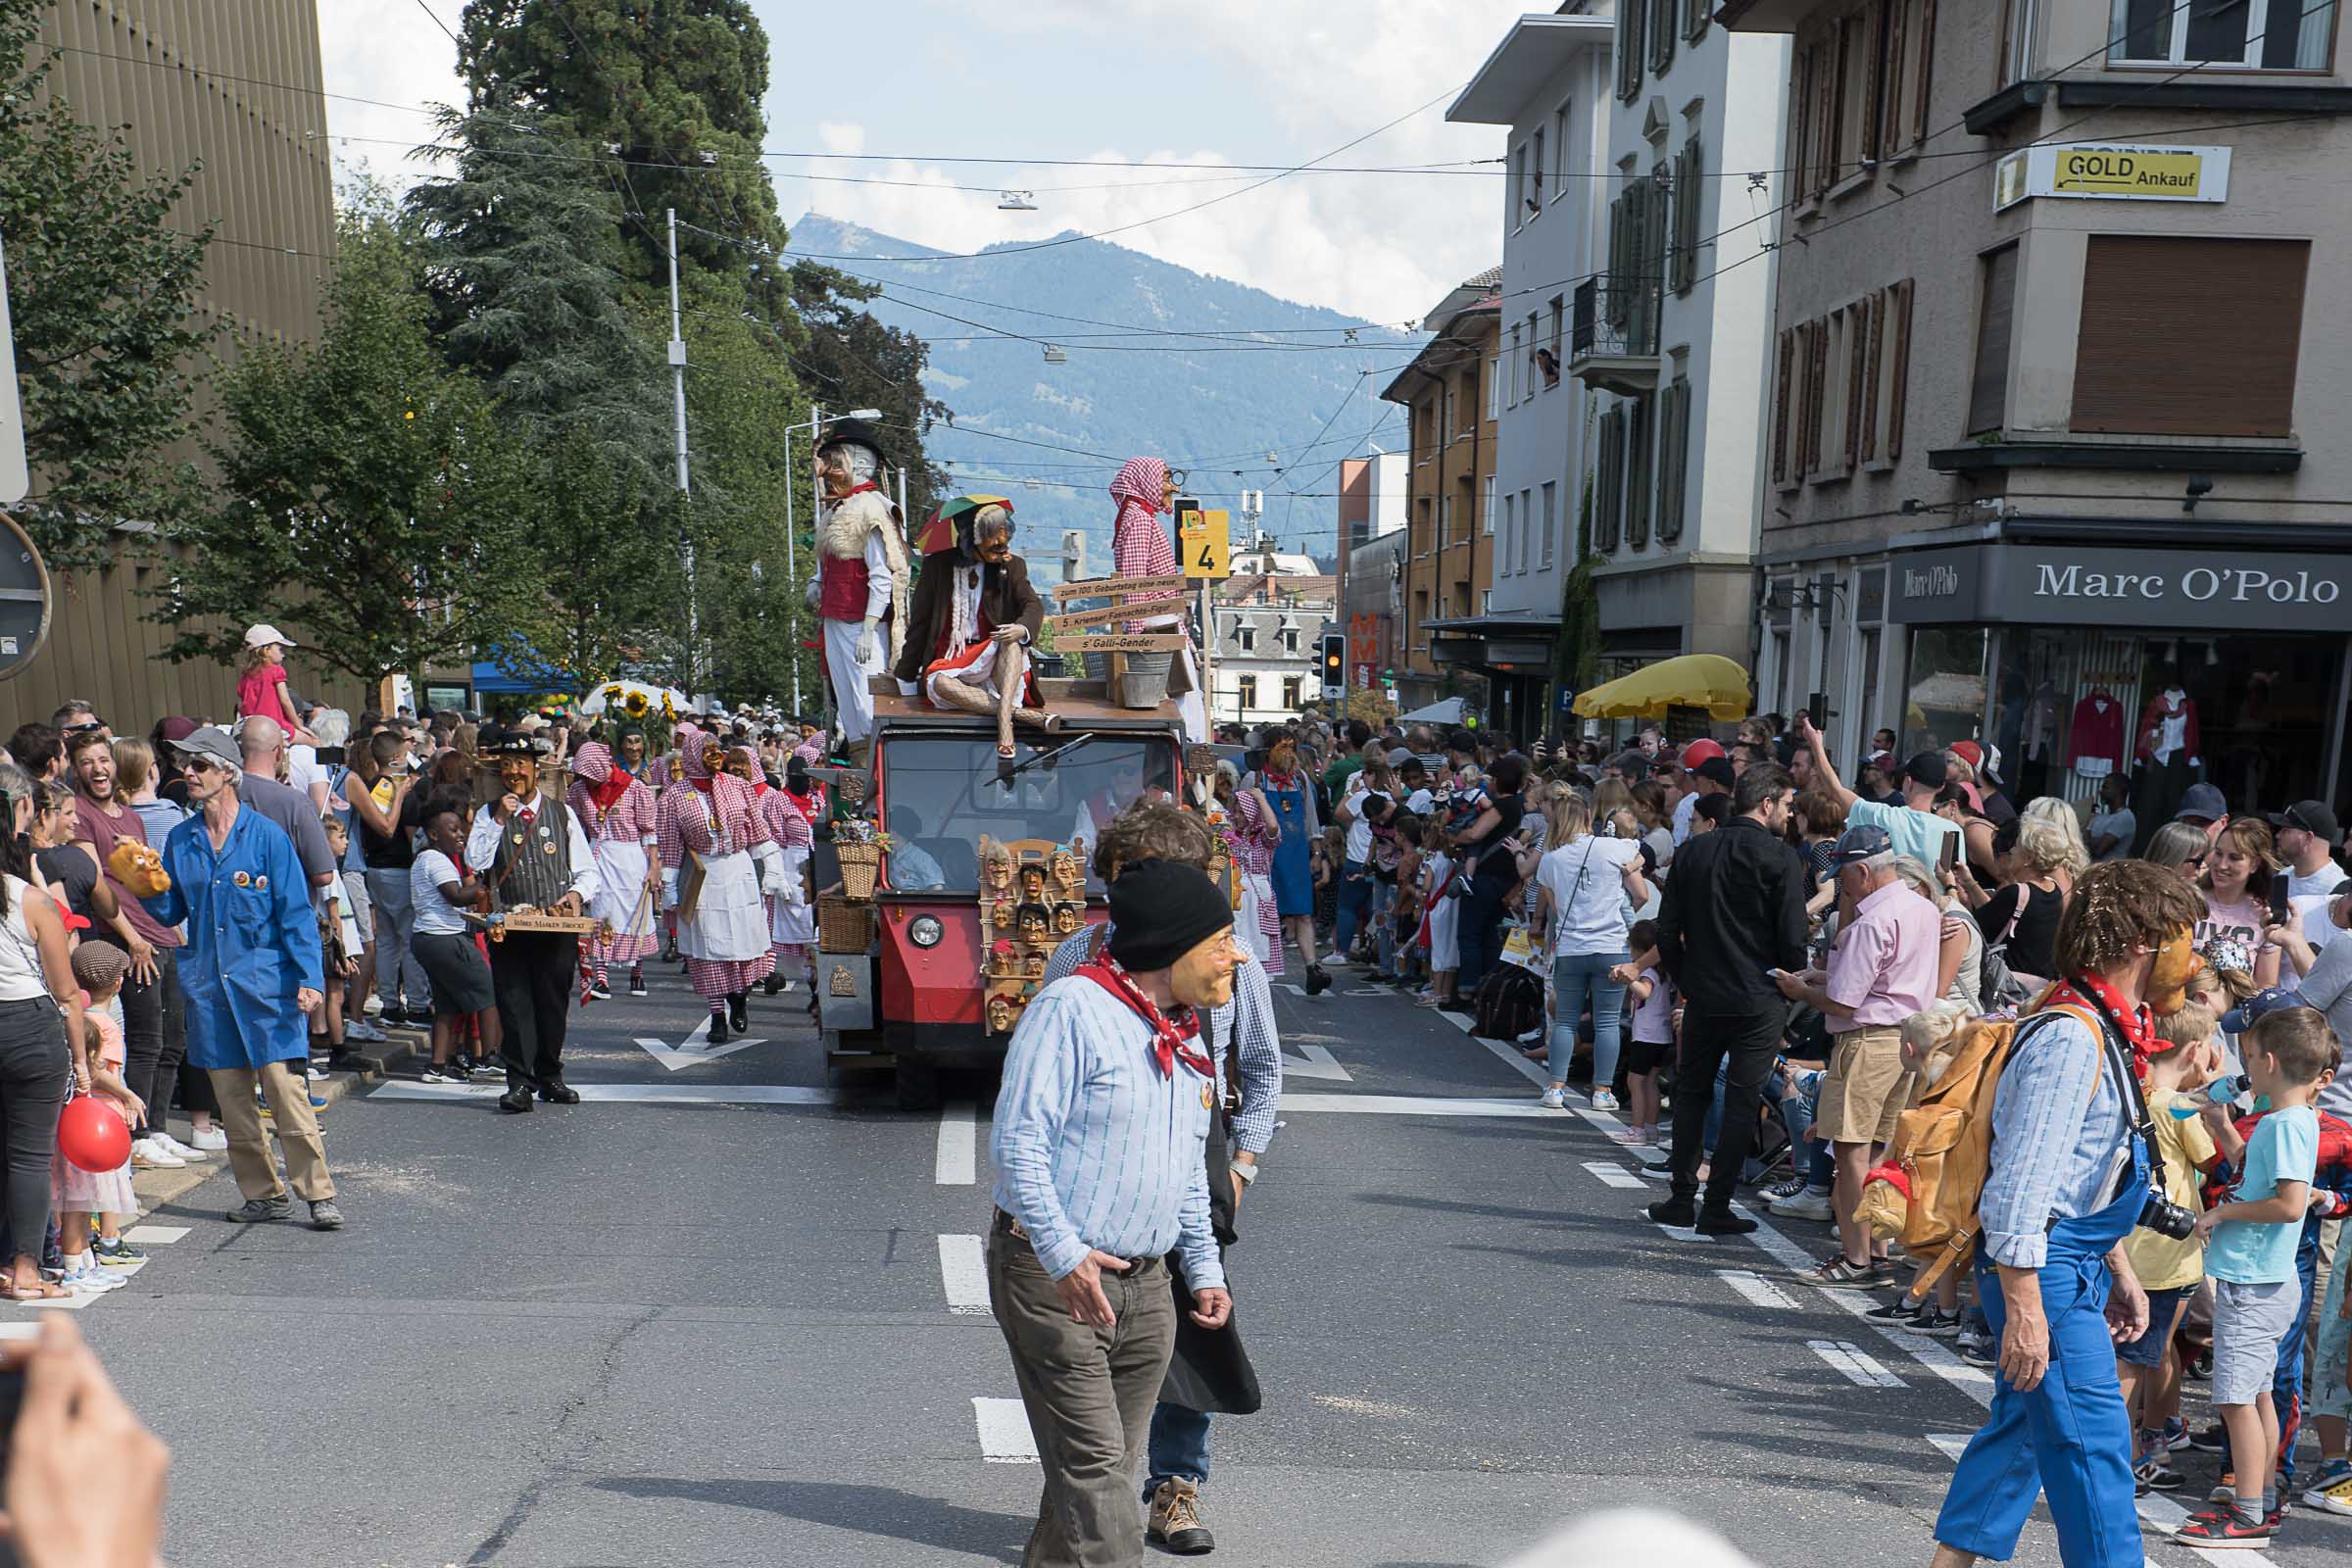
(1031, 901)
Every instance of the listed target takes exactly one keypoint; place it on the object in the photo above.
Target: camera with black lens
(2166, 1218)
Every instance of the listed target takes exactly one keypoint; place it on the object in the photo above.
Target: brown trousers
(1089, 1393)
(249, 1156)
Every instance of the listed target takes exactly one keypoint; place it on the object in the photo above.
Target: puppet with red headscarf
(1139, 548)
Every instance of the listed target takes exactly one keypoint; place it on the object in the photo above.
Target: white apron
(730, 923)
(792, 923)
(621, 900)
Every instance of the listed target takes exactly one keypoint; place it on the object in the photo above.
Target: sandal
(40, 1291)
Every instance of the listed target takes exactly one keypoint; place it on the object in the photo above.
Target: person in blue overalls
(1292, 794)
(2070, 1177)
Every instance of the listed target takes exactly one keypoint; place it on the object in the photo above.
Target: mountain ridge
(1139, 379)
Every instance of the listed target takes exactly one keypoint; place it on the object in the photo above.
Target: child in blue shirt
(2250, 1258)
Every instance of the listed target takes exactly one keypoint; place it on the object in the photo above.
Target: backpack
(1509, 1003)
(1933, 1174)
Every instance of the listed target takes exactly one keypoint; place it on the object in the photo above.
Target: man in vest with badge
(861, 576)
(533, 854)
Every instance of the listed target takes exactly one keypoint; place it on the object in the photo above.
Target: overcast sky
(1131, 82)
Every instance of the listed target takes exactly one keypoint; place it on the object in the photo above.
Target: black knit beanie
(1160, 910)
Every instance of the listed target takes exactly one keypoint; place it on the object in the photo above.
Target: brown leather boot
(1175, 1520)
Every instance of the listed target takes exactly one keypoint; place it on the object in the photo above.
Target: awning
(1694, 680)
(1448, 710)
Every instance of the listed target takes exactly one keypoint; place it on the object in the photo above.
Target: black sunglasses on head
(78, 729)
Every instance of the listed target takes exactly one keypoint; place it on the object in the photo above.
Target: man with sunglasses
(251, 970)
(2308, 835)
(75, 717)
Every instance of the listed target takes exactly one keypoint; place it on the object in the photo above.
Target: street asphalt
(743, 1330)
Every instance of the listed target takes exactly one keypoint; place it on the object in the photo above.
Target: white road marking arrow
(690, 1053)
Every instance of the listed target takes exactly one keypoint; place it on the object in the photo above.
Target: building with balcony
(1450, 486)
(1669, 334)
(1270, 617)
(2058, 390)
(1546, 85)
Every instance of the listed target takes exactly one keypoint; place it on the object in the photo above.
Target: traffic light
(1334, 663)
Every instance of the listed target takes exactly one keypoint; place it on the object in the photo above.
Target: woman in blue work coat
(252, 968)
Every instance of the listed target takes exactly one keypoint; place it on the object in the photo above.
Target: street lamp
(792, 571)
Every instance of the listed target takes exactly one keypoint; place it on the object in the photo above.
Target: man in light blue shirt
(1099, 1138)
(2069, 1179)
(1915, 829)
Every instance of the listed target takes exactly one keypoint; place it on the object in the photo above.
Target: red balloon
(92, 1134)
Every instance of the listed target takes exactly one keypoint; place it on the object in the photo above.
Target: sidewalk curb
(156, 1188)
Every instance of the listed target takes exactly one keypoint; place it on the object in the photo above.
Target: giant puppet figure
(862, 574)
(969, 627)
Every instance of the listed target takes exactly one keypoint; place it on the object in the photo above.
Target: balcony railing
(1614, 344)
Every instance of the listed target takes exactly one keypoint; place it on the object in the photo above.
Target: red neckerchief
(703, 783)
(1171, 1039)
(857, 489)
(607, 793)
(2096, 997)
(808, 805)
(1281, 781)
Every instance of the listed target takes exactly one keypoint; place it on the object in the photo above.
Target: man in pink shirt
(1881, 973)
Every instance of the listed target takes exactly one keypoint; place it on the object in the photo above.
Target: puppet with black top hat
(862, 573)
(533, 854)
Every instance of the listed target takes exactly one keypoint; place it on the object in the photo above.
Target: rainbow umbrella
(940, 532)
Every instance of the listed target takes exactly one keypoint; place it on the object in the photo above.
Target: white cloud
(839, 136)
(392, 54)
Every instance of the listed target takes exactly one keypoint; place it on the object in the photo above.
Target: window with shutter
(1824, 117)
(1662, 33)
(1622, 229)
(1639, 479)
(1690, 170)
(1873, 358)
(1696, 14)
(1630, 17)
(1989, 391)
(1781, 435)
(1608, 486)
(1817, 391)
(1551, 520)
(1893, 123)
(1857, 372)
(1510, 527)
(2189, 335)
(1800, 93)
(1643, 338)
(1674, 462)
(1899, 371)
(1924, 68)
(1527, 525)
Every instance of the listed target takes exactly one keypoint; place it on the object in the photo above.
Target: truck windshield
(941, 794)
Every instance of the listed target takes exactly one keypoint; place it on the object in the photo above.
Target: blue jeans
(1179, 1445)
(1384, 926)
(1574, 977)
(1797, 1111)
(1355, 906)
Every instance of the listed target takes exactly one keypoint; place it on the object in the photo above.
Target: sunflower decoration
(612, 691)
(633, 704)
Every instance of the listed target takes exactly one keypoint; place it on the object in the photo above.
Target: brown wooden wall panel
(2187, 335)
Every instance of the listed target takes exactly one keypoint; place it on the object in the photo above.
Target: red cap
(1698, 752)
(1968, 751)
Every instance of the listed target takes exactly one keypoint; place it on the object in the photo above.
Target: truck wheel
(918, 1087)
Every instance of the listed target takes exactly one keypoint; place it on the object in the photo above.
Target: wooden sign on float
(1105, 587)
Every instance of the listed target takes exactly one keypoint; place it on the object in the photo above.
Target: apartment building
(2056, 406)
(1670, 330)
(1546, 85)
(1450, 556)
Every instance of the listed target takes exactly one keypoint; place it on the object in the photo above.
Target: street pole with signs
(1203, 544)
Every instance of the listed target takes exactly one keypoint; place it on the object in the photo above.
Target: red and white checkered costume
(724, 819)
(629, 820)
(1251, 837)
(791, 921)
(1139, 544)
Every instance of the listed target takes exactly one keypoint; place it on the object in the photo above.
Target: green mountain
(1159, 362)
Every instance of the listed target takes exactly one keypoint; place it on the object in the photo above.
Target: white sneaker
(171, 1145)
(1555, 1098)
(209, 1140)
(373, 1005)
(364, 1032)
(1807, 1204)
(90, 1279)
(1602, 1100)
(148, 1152)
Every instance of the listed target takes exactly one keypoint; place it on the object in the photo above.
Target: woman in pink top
(261, 689)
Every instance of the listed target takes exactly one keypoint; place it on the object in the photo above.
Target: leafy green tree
(369, 497)
(101, 296)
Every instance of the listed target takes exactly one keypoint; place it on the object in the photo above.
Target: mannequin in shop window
(2167, 750)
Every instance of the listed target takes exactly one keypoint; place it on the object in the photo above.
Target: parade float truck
(963, 871)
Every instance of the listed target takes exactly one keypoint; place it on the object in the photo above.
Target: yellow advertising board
(2113, 171)
(1204, 544)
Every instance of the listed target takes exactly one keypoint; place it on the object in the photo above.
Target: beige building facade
(2057, 396)
(234, 85)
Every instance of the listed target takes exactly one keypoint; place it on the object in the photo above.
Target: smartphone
(2280, 911)
(1817, 709)
(1947, 853)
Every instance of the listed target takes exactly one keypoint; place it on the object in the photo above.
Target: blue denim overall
(2069, 1438)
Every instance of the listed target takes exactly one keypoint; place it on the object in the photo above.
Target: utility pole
(677, 373)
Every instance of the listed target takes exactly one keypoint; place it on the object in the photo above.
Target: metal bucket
(1145, 684)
